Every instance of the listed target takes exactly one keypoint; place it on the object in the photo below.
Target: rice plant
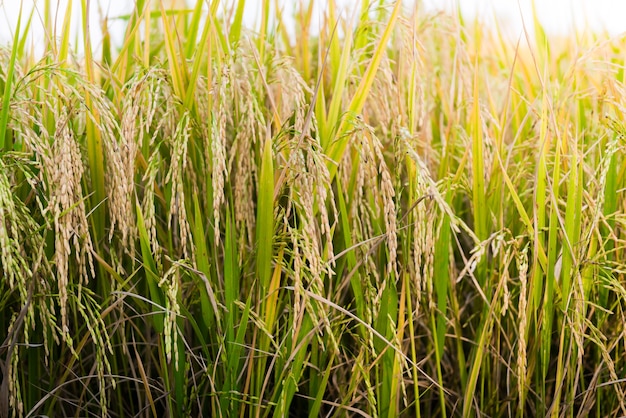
(395, 214)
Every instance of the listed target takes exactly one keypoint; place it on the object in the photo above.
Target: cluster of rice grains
(48, 114)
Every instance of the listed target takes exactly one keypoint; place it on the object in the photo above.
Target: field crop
(398, 214)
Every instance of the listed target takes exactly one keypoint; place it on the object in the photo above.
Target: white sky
(557, 16)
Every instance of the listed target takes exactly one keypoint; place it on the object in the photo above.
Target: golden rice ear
(177, 218)
(156, 126)
(67, 208)
(522, 362)
(24, 270)
(58, 151)
(251, 130)
(218, 143)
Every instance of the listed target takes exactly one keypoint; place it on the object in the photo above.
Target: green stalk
(336, 149)
(95, 149)
(264, 252)
(441, 276)
(478, 180)
(388, 368)
(536, 281)
(232, 344)
(6, 94)
(548, 310)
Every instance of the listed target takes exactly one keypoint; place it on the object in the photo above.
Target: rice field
(398, 214)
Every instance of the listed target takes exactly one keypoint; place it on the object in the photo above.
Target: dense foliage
(400, 215)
